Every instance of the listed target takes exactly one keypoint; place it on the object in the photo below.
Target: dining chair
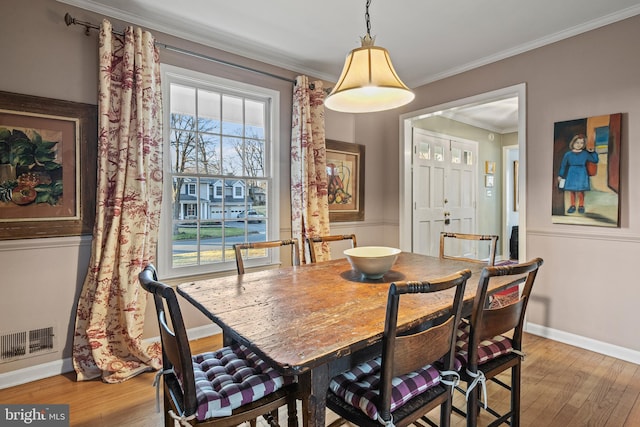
(241, 248)
(224, 387)
(490, 342)
(461, 243)
(414, 372)
(312, 241)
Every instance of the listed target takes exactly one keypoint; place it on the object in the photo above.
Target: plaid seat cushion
(359, 386)
(487, 350)
(231, 377)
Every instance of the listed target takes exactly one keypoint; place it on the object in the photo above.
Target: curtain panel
(111, 307)
(309, 203)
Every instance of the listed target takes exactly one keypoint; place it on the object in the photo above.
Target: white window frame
(173, 74)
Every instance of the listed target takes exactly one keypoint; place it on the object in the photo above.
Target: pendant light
(368, 82)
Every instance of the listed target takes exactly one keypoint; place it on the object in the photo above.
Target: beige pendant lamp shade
(368, 82)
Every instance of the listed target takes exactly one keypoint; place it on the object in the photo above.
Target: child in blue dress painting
(573, 170)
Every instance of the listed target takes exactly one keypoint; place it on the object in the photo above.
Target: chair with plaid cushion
(241, 248)
(312, 241)
(403, 384)
(225, 387)
(484, 348)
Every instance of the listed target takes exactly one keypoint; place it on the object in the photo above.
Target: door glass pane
(456, 156)
(424, 151)
(438, 153)
(468, 158)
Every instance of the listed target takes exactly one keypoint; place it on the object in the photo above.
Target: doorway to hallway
(413, 236)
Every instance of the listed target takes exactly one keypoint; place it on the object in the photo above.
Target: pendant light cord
(368, 18)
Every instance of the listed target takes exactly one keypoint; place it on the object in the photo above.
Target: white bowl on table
(372, 261)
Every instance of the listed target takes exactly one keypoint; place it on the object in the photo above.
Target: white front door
(462, 187)
(444, 189)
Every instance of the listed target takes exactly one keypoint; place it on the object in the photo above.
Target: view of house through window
(220, 182)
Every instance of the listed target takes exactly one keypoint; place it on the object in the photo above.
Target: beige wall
(42, 278)
(584, 288)
(586, 293)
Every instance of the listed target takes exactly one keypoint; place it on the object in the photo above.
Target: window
(218, 193)
(219, 151)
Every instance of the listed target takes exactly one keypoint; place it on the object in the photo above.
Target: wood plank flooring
(562, 386)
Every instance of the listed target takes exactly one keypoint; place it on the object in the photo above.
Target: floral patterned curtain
(111, 307)
(309, 203)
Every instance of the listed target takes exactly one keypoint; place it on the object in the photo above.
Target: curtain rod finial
(68, 19)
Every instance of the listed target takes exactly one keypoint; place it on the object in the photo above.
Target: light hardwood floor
(561, 386)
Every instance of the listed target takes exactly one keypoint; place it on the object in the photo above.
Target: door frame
(510, 215)
(405, 179)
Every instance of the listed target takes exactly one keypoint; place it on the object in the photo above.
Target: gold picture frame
(345, 173)
(47, 167)
(489, 167)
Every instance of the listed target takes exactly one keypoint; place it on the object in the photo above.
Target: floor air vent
(23, 344)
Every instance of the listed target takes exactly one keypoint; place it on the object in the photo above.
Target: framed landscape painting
(47, 167)
(586, 171)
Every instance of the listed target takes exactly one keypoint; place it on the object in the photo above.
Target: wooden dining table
(317, 320)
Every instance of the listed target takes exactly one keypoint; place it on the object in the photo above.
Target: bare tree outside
(254, 157)
(191, 151)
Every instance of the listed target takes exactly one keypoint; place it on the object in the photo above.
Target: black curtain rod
(69, 20)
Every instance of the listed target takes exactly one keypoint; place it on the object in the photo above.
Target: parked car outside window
(252, 216)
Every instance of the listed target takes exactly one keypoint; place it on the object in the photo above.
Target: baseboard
(59, 367)
(34, 373)
(201, 332)
(607, 349)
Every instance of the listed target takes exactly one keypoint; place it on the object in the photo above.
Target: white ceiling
(499, 116)
(427, 39)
